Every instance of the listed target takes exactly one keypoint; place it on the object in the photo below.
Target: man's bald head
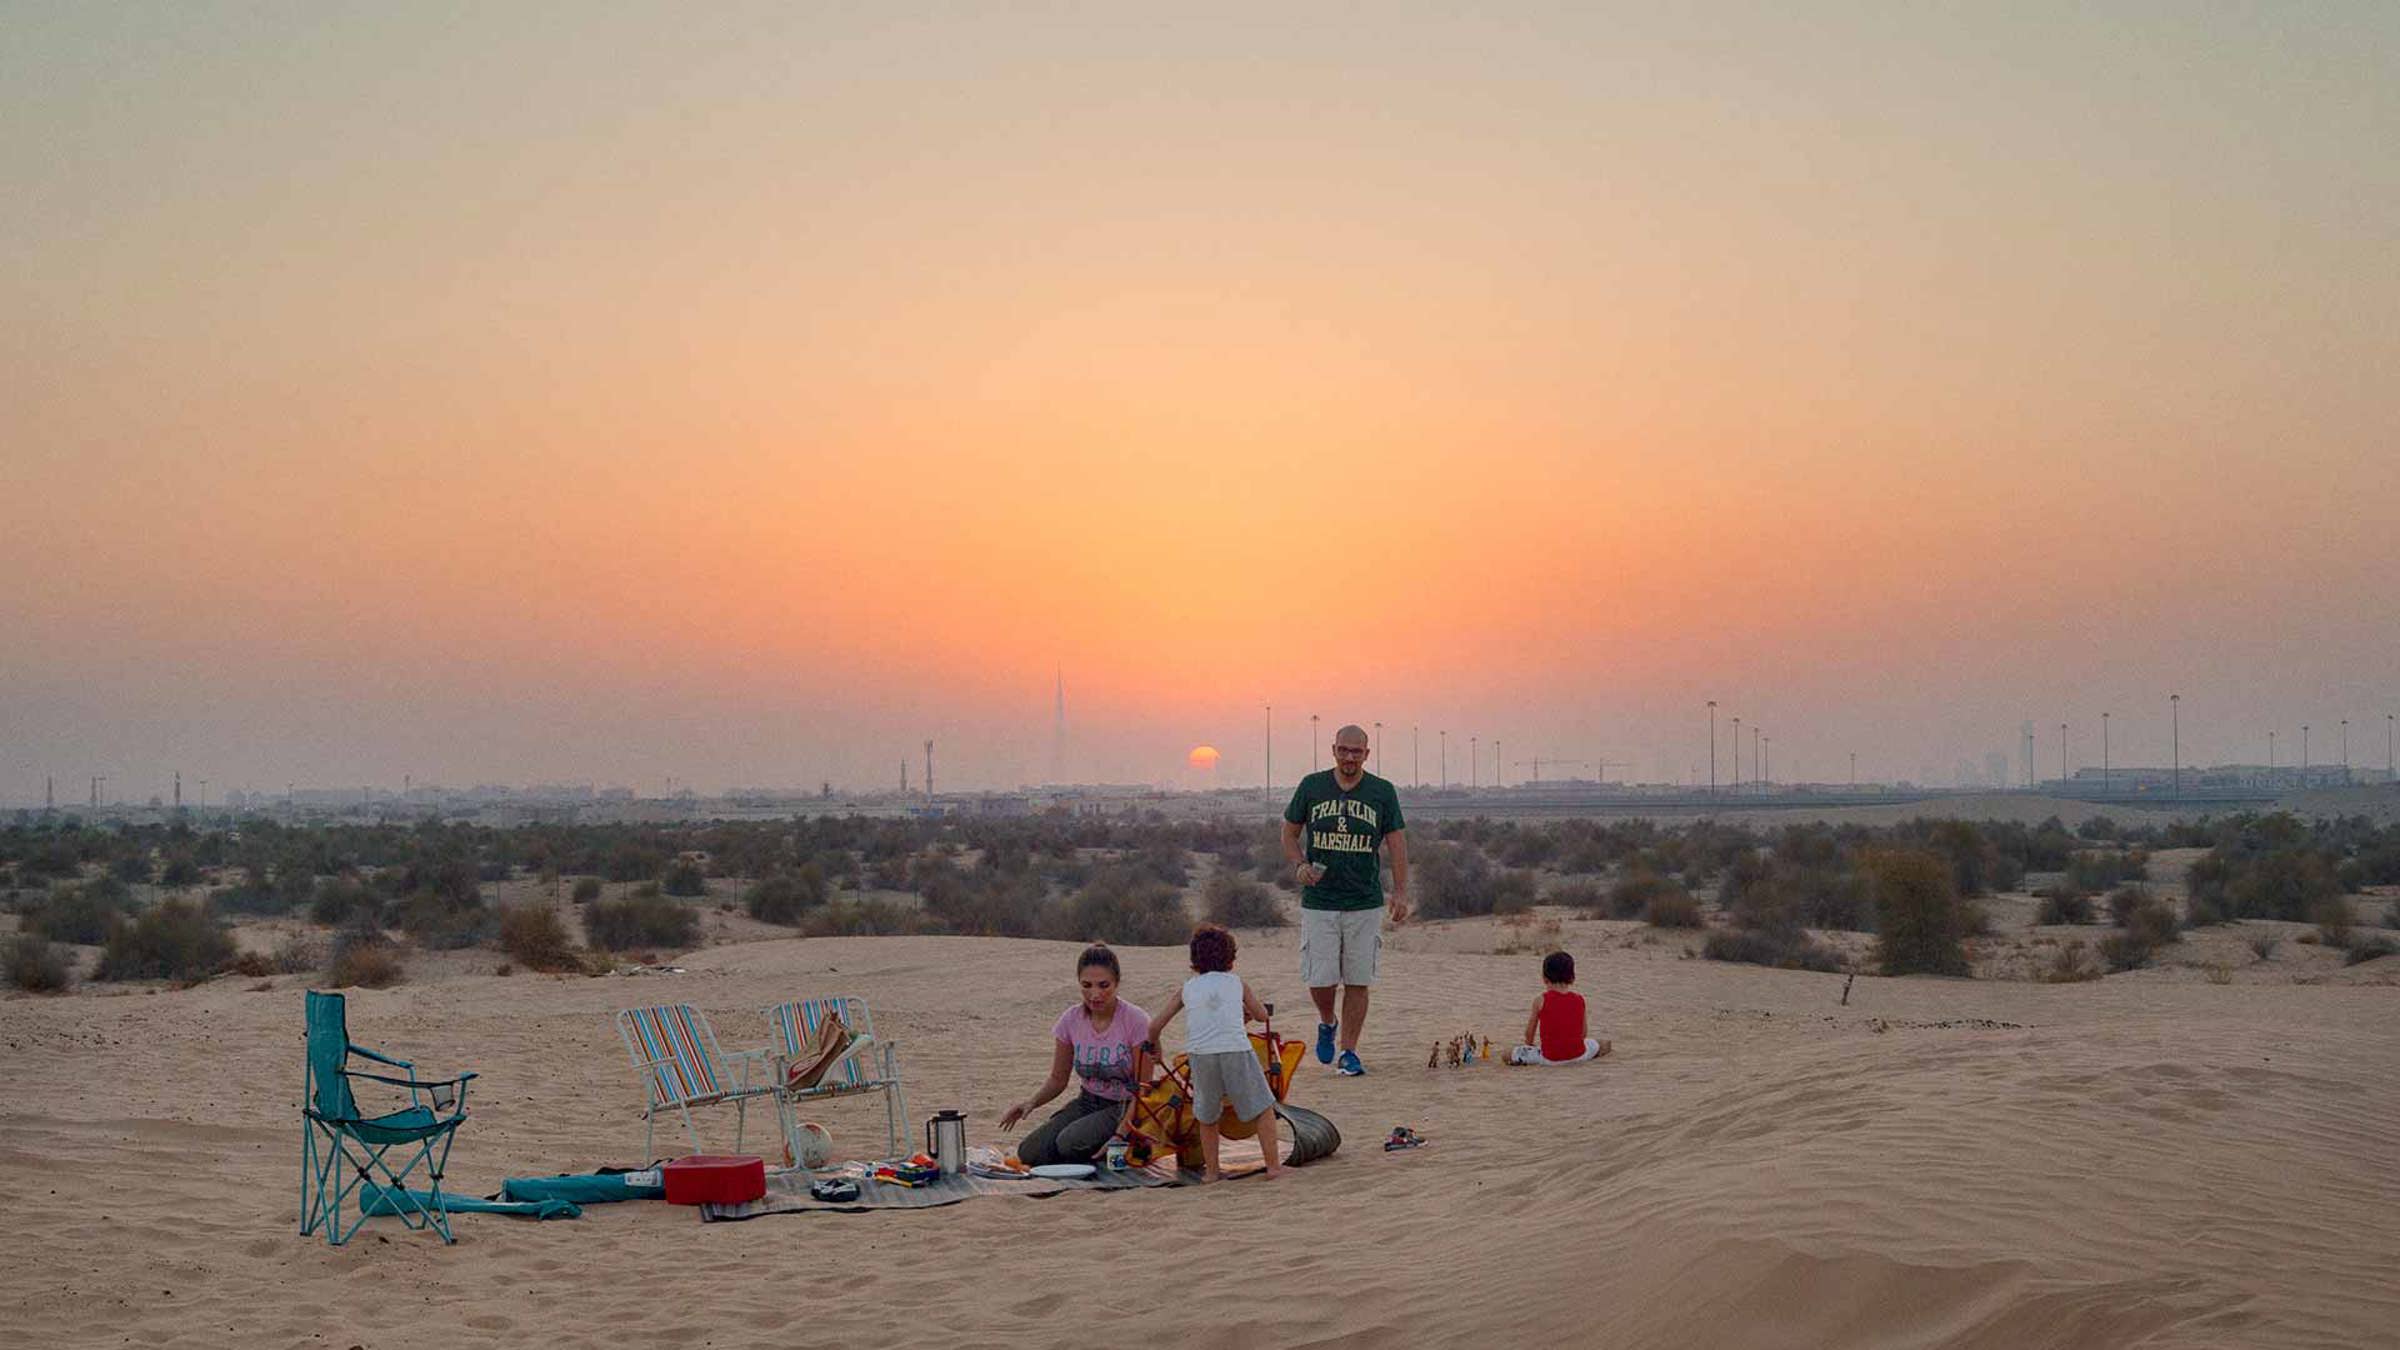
(1353, 735)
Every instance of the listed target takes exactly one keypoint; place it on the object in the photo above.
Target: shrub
(587, 889)
(640, 920)
(443, 921)
(345, 902)
(2368, 949)
(1672, 908)
(2071, 964)
(77, 913)
(2263, 946)
(250, 897)
(172, 940)
(2097, 871)
(1630, 898)
(995, 905)
(531, 933)
(2063, 905)
(2333, 918)
(785, 897)
(2123, 951)
(1919, 919)
(297, 953)
(1783, 948)
(1124, 911)
(1513, 890)
(685, 879)
(1581, 893)
(364, 959)
(1451, 880)
(34, 965)
(1238, 902)
(861, 918)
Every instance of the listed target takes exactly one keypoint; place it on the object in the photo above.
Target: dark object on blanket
(834, 1190)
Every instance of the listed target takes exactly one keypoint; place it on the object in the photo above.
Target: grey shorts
(1340, 946)
(1231, 1076)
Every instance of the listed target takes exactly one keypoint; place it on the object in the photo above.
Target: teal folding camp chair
(345, 1154)
(676, 1054)
(869, 1065)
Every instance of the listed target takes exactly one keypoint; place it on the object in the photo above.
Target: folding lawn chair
(867, 1065)
(676, 1054)
(342, 1152)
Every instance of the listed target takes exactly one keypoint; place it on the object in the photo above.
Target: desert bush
(684, 879)
(2263, 946)
(2333, 918)
(2123, 951)
(587, 889)
(2071, 964)
(2364, 950)
(855, 918)
(363, 958)
(1514, 890)
(2097, 870)
(1631, 897)
(81, 914)
(250, 897)
(1124, 910)
(253, 965)
(297, 953)
(1581, 893)
(2391, 916)
(1920, 921)
(34, 965)
(445, 921)
(783, 898)
(2124, 900)
(1672, 908)
(1451, 880)
(344, 902)
(532, 933)
(172, 940)
(2219, 973)
(2096, 829)
(2065, 904)
(993, 904)
(1786, 948)
(640, 920)
(1238, 902)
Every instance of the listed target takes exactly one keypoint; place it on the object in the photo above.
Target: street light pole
(2062, 754)
(1312, 742)
(1379, 736)
(2175, 730)
(2345, 750)
(2304, 754)
(1270, 750)
(1737, 757)
(1712, 746)
(2104, 754)
(1474, 762)
(1416, 738)
(1445, 747)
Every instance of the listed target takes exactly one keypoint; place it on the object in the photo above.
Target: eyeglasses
(1349, 749)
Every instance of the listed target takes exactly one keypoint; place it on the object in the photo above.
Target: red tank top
(1561, 1025)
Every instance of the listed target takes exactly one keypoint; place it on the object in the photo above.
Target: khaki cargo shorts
(1340, 946)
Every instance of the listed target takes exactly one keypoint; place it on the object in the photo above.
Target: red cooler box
(704, 1179)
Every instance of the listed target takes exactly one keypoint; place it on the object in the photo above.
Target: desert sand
(2153, 1159)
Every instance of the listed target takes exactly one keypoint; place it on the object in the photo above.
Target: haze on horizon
(616, 393)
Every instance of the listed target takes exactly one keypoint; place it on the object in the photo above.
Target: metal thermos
(946, 1142)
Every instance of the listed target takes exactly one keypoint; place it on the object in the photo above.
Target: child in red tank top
(1557, 1032)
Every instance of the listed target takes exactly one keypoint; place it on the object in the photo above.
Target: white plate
(1065, 1171)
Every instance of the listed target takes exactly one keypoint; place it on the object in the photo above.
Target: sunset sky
(744, 394)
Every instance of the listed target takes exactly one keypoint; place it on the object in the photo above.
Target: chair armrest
(381, 1058)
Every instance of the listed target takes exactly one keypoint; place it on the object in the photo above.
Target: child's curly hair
(1212, 949)
(1558, 968)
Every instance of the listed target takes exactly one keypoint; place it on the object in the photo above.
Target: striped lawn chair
(873, 1065)
(681, 1067)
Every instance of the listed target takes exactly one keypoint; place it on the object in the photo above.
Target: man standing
(1334, 833)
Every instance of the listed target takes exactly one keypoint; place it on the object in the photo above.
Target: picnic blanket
(787, 1190)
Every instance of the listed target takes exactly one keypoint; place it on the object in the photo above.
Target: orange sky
(607, 394)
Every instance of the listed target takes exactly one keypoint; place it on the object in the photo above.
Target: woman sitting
(1097, 1038)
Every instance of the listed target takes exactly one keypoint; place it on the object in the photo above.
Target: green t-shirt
(1343, 832)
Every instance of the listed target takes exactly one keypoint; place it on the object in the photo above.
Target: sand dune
(2139, 1161)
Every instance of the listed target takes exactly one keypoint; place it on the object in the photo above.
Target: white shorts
(1340, 946)
(1531, 1054)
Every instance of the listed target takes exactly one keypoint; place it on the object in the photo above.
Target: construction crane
(1604, 765)
(1537, 762)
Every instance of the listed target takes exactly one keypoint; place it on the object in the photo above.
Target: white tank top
(1213, 1003)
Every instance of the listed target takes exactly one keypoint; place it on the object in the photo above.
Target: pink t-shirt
(1104, 1059)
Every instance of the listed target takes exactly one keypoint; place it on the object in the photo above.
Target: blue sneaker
(1349, 1067)
(1325, 1042)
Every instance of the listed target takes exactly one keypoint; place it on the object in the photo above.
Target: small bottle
(1114, 1157)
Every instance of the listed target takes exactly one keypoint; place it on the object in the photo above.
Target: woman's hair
(1558, 968)
(1212, 949)
(1099, 955)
